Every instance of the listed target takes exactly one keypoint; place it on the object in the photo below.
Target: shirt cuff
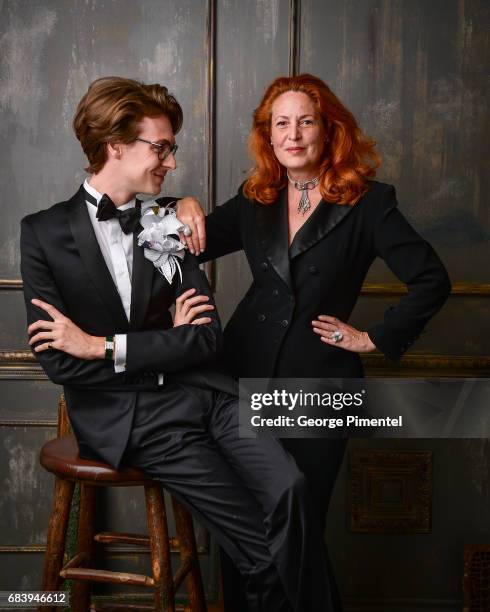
(120, 353)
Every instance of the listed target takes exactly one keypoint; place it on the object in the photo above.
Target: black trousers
(319, 459)
(249, 493)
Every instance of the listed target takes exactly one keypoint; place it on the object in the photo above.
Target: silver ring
(187, 231)
(50, 346)
(337, 336)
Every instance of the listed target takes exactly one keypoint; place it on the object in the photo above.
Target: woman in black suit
(311, 221)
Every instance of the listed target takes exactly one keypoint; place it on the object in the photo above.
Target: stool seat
(61, 457)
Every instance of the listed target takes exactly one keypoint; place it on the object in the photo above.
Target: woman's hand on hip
(189, 212)
(188, 306)
(337, 333)
(62, 334)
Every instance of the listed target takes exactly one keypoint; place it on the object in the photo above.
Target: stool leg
(55, 544)
(85, 545)
(160, 549)
(188, 550)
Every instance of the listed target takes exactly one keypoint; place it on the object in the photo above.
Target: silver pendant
(304, 203)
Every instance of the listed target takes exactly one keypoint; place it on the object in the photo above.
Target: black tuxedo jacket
(322, 272)
(62, 264)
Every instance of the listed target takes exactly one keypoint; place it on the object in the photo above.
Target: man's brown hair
(111, 110)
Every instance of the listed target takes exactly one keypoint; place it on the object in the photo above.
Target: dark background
(415, 75)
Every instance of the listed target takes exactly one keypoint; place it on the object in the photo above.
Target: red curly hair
(349, 157)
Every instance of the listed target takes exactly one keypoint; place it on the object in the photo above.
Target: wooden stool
(60, 456)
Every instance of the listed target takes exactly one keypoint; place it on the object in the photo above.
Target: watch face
(109, 347)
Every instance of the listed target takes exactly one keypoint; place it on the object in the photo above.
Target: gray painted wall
(413, 72)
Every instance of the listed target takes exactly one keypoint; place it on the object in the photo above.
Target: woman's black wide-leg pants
(319, 459)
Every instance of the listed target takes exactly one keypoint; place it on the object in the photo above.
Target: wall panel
(252, 49)
(413, 75)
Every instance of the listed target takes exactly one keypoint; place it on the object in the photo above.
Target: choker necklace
(304, 203)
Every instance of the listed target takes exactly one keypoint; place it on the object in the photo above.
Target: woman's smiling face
(297, 134)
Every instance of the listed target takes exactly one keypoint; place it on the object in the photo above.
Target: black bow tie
(129, 219)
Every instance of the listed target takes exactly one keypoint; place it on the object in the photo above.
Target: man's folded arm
(181, 347)
(61, 368)
(158, 351)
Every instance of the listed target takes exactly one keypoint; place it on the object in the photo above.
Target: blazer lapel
(93, 261)
(141, 285)
(322, 221)
(272, 224)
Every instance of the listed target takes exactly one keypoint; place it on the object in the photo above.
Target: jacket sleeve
(39, 283)
(223, 229)
(182, 347)
(416, 264)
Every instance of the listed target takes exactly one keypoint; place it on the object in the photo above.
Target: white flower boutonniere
(160, 239)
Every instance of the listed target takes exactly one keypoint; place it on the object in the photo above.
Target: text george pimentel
(337, 401)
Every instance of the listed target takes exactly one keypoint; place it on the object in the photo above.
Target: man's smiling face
(141, 170)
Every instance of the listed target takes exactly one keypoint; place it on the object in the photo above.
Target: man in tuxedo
(138, 385)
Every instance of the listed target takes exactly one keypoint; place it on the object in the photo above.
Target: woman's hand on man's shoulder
(190, 213)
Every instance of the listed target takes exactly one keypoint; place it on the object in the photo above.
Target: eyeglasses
(162, 150)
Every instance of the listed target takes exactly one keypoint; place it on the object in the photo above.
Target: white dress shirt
(117, 250)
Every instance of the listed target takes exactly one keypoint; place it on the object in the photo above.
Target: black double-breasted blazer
(322, 272)
(62, 264)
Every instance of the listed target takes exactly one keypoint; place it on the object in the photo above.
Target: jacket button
(313, 270)
(275, 293)
(261, 318)
(264, 265)
(285, 323)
